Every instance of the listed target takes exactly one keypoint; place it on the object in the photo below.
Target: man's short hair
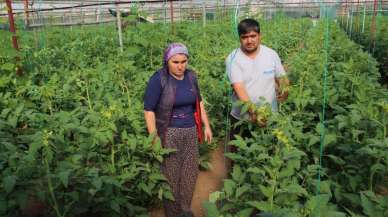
(248, 25)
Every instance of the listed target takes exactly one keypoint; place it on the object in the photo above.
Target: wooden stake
(26, 15)
(12, 25)
(118, 17)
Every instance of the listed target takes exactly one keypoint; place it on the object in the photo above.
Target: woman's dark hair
(248, 25)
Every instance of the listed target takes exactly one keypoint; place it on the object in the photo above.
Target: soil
(207, 182)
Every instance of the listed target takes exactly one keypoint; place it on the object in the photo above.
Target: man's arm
(241, 92)
(242, 95)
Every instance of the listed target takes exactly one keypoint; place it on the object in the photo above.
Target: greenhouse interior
(78, 137)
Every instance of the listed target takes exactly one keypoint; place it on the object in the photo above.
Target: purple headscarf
(173, 49)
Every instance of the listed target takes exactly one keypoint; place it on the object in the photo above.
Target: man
(256, 74)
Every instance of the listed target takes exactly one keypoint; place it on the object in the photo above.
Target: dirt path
(207, 182)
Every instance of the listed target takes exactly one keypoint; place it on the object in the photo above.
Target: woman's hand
(156, 140)
(208, 135)
(208, 131)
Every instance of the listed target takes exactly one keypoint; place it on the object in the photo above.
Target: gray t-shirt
(258, 76)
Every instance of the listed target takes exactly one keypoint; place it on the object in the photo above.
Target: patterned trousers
(180, 169)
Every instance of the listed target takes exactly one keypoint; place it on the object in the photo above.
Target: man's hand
(262, 122)
(281, 96)
(252, 113)
(253, 117)
(282, 86)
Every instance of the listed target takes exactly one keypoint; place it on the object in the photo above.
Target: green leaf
(336, 159)
(255, 170)
(241, 190)
(145, 188)
(227, 207)
(239, 142)
(157, 177)
(160, 194)
(245, 212)
(3, 206)
(234, 156)
(115, 205)
(313, 140)
(317, 202)
(260, 205)
(97, 183)
(8, 67)
(64, 177)
(295, 189)
(267, 191)
(353, 198)
(367, 206)
(330, 139)
(211, 209)
(229, 186)
(236, 174)
(9, 183)
(378, 167)
(213, 197)
(168, 195)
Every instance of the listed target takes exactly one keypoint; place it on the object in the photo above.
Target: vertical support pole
(165, 11)
(373, 27)
(342, 16)
(26, 15)
(12, 25)
(99, 15)
(351, 22)
(363, 20)
(118, 17)
(203, 14)
(82, 14)
(346, 11)
(358, 17)
(180, 12)
(347, 22)
(96, 14)
(172, 17)
(71, 16)
(223, 9)
(13, 30)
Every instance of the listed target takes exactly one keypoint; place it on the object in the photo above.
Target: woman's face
(177, 65)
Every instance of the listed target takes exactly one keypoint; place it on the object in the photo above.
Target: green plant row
(275, 171)
(372, 34)
(72, 134)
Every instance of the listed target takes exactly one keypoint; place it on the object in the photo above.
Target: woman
(170, 102)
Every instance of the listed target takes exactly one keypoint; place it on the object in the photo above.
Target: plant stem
(300, 91)
(112, 158)
(51, 190)
(372, 175)
(88, 96)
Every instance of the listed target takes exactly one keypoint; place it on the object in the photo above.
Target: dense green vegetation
(276, 169)
(373, 39)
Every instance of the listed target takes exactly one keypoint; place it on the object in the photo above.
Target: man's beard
(251, 50)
